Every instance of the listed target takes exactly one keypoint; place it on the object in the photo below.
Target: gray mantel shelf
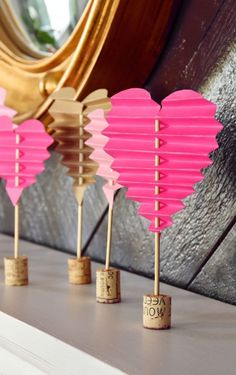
(202, 340)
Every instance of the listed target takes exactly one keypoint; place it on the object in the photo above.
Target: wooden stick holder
(156, 311)
(108, 285)
(16, 271)
(79, 270)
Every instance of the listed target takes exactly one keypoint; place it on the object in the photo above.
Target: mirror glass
(47, 23)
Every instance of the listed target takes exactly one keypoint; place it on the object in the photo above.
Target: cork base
(79, 270)
(16, 271)
(108, 285)
(156, 311)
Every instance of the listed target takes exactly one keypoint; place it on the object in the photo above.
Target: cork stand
(108, 279)
(157, 307)
(16, 268)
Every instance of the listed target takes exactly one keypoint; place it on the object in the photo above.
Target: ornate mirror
(86, 44)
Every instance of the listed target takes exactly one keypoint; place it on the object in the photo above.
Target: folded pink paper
(185, 136)
(23, 149)
(98, 141)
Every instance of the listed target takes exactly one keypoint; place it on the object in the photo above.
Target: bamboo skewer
(16, 232)
(108, 279)
(80, 205)
(109, 237)
(157, 265)
(79, 230)
(157, 306)
(16, 226)
(157, 221)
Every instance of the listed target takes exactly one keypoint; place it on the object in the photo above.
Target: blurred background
(47, 23)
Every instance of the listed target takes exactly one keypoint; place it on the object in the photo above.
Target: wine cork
(16, 271)
(156, 311)
(108, 285)
(79, 270)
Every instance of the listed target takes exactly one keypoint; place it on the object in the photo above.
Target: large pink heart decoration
(182, 141)
(23, 149)
(98, 141)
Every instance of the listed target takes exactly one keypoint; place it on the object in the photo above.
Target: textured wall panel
(201, 36)
(217, 278)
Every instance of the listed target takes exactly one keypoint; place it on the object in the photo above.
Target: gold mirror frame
(114, 45)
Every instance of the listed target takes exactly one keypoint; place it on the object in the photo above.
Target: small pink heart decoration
(98, 141)
(23, 150)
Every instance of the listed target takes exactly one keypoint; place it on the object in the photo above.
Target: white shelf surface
(25, 350)
(202, 340)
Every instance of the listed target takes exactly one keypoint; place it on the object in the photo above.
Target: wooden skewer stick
(157, 234)
(16, 226)
(108, 279)
(16, 232)
(157, 265)
(80, 205)
(157, 307)
(79, 230)
(109, 237)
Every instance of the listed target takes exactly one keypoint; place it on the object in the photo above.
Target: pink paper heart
(32, 151)
(186, 135)
(98, 141)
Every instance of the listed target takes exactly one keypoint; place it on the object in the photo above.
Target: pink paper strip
(97, 124)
